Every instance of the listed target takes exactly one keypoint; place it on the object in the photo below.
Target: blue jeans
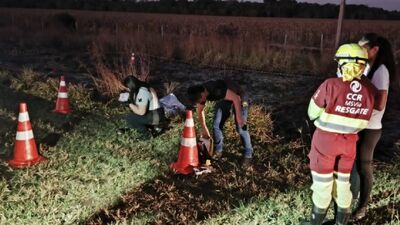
(222, 112)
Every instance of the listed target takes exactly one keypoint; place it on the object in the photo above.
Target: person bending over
(228, 97)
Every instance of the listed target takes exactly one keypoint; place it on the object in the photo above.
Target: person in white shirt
(147, 115)
(381, 72)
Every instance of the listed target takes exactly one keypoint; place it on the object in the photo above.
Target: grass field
(95, 176)
(290, 45)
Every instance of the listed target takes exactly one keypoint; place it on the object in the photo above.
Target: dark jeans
(361, 175)
(222, 112)
(149, 120)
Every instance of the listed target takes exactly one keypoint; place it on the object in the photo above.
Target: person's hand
(240, 122)
(205, 133)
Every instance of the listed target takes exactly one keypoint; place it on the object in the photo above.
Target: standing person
(229, 97)
(341, 107)
(147, 115)
(381, 73)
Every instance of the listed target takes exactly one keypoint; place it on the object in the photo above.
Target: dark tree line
(269, 8)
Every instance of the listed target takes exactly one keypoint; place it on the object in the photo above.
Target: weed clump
(260, 125)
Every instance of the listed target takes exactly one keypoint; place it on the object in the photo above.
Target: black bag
(206, 149)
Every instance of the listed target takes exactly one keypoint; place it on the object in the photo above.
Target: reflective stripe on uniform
(343, 193)
(322, 189)
(343, 177)
(314, 111)
(350, 122)
(319, 177)
(188, 142)
(24, 135)
(340, 124)
(23, 117)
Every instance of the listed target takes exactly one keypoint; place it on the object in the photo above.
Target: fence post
(285, 41)
(116, 37)
(162, 32)
(321, 46)
(340, 22)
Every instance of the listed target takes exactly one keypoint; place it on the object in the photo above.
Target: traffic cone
(62, 104)
(188, 157)
(25, 151)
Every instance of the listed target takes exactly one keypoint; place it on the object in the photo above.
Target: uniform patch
(355, 86)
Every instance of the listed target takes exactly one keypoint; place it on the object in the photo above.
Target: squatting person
(341, 107)
(146, 115)
(229, 96)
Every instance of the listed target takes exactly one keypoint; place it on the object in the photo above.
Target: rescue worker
(147, 115)
(341, 107)
(229, 96)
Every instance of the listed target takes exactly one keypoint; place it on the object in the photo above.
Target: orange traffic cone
(188, 157)
(25, 151)
(62, 104)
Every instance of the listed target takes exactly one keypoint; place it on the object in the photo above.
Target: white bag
(123, 97)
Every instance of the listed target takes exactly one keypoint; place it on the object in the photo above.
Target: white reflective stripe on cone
(189, 123)
(62, 83)
(23, 117)
(24, 135)
(62, 94)
(188, 142)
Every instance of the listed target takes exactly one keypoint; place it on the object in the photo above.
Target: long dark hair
(384, 56)
(134, 85)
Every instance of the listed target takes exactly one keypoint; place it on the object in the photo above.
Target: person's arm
(381, 99)
(318, 102)
(138, 109)
(236, 100)
(202, 119)
(381, 82)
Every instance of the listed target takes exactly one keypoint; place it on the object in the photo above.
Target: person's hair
(194, 93)
(384, 56)
(134, 85)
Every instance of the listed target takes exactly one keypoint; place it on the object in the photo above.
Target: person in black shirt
(228, 97)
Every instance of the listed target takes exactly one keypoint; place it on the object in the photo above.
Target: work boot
(343, 216)
(156, 131)
(317, 216)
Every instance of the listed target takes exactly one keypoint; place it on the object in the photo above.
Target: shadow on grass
(47, 126)
(5, 172)
(178, 199)
(381, 215)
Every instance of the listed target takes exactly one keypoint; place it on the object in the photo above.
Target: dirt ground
(172, 196)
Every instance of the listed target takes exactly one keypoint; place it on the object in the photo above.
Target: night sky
(385, 4)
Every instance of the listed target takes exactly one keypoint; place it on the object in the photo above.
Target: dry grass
(259, 124)
(269, 44)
